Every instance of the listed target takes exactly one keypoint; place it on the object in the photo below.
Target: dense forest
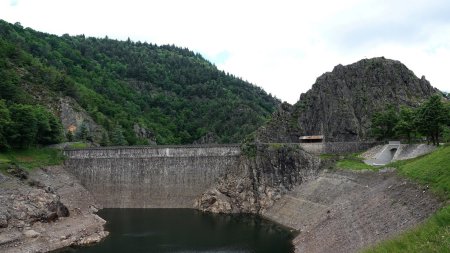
(172, 93)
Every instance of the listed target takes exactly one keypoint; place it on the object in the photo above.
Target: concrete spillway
(382, 155)
(385, 156)
(151, 177)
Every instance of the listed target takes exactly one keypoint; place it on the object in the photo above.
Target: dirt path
(344, 211)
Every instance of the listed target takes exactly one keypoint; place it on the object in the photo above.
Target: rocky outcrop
(282, 128)
(46, 210)
(341, 103)
(144, 134)
(208, 138)
(73, 116)
(266, 172)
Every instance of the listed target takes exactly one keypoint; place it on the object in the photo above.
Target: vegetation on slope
(430, 236)
(432, 170)
(431, 120)
(30, 158)
(351, 161)
(23, 126)
(172, 92)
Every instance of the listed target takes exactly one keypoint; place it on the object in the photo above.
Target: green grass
(432, 170)
(353, 162)
(78, 145)
(431, 236)
(434, 234)
(31, 158)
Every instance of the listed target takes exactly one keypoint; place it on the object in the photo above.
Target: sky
(279, 45)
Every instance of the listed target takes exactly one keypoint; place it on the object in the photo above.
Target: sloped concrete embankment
(146, 177)
(383, 154)
(345, 211)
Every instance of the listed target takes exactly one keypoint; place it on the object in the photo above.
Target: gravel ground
(344, 211)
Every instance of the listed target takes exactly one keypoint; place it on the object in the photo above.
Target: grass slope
(353, 162)
(434, 234)
(31, 158)
(432, 170)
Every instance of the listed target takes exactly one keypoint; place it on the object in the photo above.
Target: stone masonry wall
(337, 147)
(145, 177)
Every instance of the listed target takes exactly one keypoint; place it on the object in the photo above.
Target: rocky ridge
(341, 102)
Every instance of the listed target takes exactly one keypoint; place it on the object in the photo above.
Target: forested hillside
(124, 92)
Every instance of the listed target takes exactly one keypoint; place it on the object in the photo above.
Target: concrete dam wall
(150, 177)
(337, 147)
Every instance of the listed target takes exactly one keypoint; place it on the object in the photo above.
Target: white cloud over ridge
(282, 46)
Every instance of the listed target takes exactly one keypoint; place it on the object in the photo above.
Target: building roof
(311, 137)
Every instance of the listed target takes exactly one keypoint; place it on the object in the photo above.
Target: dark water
(186, 230)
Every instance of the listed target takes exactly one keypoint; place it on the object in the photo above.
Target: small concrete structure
(311, 139)
(394, 151)
(386, 155)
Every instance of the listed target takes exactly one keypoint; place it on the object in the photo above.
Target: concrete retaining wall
(145, 177)
(336, 147)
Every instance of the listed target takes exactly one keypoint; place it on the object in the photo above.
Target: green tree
(117, 137)
(24, 127)
(83, 133)
(5, 121)
(43, 125)
(432, 116)
(69, 136)
(56, 134)
(105, 140)
(406, 126)
(383, 123)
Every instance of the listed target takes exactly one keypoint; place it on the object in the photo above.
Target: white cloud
(282, 46)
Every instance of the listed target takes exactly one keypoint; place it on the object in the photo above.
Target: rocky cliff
(266, 173)
(341, 103)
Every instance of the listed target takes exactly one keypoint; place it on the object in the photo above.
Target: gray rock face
(341, 103)
(267, 173)
(144, 133)
(47, 211)
(282, 128)
(73, 116)
(208, 138)
(3, 219)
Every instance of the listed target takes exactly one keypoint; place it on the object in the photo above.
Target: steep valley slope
(127, 93)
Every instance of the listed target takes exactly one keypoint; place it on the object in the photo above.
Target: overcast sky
(281, 46)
